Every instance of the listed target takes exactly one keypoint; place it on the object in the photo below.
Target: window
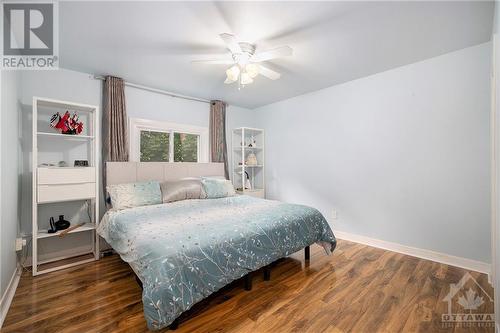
(185, 147)
(152, 141)
(154, 146)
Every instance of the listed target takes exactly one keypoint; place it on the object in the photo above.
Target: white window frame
(136, 125)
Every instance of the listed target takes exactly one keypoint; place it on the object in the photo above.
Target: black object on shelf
(53, 228)
(81, 163)
(62, 224)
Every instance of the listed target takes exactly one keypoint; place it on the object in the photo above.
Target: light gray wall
(9, 207)
(80, 87)
(403, 155)
(148, 105)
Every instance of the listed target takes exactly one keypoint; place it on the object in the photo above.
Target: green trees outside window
(155, 147)
(185, 147)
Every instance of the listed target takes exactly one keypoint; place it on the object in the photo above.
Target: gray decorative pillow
(183, 189)
(134, 194)
(217, 188)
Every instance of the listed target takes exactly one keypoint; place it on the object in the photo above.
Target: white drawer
(66, 175)
(65, 192)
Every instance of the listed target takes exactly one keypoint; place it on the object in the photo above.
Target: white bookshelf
(59, 190)
(242, 138)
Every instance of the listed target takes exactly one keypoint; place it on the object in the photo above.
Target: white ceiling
(153, 43)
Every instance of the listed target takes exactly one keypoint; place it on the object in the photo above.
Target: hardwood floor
(358, 289)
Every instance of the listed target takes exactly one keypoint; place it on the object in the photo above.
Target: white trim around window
(136, 125)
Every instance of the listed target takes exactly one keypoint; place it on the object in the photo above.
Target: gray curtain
(218, 146)
(114, 123)
(115, 132)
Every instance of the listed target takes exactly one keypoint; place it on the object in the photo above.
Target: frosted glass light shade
(252, 70)
(245, 78)
(233, 73)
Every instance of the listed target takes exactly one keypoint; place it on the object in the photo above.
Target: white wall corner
(443, 258)
(9, 293)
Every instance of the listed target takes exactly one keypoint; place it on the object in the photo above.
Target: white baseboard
(8, 295)
(443, 258)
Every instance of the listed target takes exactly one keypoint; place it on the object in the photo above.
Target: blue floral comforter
(186, 250)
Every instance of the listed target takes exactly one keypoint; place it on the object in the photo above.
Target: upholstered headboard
(131, 172)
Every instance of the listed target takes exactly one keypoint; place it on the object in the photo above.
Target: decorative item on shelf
(62, 224)
(53, 228)
(248, 186)
(60, 164)
(64, 232)
(45, 165)
(247, 182)
(253, 142)
(251, 159)
(81, 163)
(67, 124)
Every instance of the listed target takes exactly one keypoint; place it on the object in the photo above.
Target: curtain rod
(158, 91)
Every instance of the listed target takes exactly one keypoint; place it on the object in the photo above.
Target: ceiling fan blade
(231, 43)
(269, 73)
(214, 62)
(278, 52)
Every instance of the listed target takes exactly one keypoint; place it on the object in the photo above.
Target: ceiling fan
(246, 64)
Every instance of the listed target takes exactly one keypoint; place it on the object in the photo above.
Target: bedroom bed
(184, 251)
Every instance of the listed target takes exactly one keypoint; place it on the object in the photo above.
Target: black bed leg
(267, 273)
(174, 325)
(307, 253)
(248, 282)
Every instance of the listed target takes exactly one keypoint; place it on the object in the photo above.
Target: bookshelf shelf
(66, 136)
(85, 227)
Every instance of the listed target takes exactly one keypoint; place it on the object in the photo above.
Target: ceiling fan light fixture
(252, 70)
(245, 62)
(233, 73)
(245, 78)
